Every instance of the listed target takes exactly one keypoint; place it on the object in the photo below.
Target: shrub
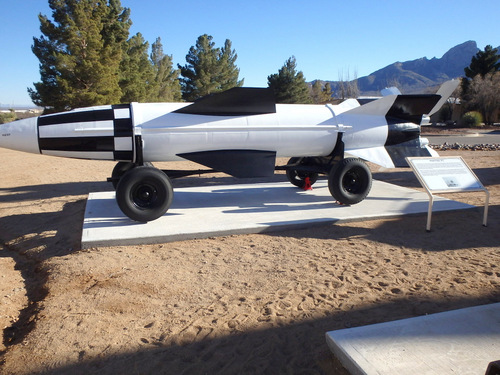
(472, 119)
(6, 117)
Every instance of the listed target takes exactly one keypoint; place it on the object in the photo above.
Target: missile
(240, 132)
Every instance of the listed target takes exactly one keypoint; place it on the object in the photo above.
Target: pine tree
(483, 63)
(229, 73)
(137, 74)
(317, 92)
(289, 85)
(80, 52)
(321, 94)
(208, 69)
(327, 92)
(166, 86)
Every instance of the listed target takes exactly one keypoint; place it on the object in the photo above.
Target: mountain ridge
(420, 75)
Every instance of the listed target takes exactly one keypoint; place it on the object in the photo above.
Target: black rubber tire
(144, 194)
(350, 181)
(119, 170)
(298, 178)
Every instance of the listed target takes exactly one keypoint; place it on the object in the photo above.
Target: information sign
(446, 175)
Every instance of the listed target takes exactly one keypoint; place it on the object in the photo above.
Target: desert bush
(6, 117)
(472, 119)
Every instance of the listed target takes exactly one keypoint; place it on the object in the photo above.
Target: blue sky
(327, 37)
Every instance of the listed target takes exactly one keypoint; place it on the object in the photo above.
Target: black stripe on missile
(123, 155)
(400, 133)
(120, 106)
(77, 144)
(123, 127)
(81, 116)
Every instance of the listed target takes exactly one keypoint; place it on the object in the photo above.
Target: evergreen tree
(328, 92)
(317, 92)
(321, 94)
(289, 85)
(208, 69)
(479, 75)
(137, 74)
(167, 87)
(484, 62)
(229, 73)
(80, 53)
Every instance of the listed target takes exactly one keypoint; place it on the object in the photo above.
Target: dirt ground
(231, 305)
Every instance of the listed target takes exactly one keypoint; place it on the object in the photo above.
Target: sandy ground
(236, 304)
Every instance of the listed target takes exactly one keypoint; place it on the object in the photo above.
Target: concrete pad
(461, 342)
(201, 212)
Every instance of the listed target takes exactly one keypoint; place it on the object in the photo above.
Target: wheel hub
(144, 196)
(352, 182)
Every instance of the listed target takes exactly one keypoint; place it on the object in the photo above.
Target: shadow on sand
(32, 238)
(292, 349)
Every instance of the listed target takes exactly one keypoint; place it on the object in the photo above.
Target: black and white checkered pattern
(104, 132)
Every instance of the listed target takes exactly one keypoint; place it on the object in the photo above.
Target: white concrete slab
(461, 342)
(201, 212)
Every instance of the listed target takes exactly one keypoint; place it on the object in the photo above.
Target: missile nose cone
(21, 135)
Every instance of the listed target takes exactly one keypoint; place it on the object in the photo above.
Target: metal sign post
(448, 174)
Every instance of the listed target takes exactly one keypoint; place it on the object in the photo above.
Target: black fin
(410, 108)
(400, 152)
(237, 163)
(238, 101)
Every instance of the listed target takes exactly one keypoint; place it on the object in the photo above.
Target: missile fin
(445, 92)
(398, 108)
(238, 101)
(412, 148)
(237, 163)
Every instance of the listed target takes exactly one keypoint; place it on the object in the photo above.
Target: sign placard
(447, 174)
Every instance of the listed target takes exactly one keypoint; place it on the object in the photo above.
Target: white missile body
(240, 132)
(294, 130)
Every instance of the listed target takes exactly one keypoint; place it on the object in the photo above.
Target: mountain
(418, 76)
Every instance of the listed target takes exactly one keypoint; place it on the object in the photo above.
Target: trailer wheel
(119, 170)
(298, 178)
(350, 181)
(144, 194)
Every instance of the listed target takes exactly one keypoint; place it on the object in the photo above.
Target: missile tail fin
(409, 108)
(399, 108)
(445, 92)
(394, 155)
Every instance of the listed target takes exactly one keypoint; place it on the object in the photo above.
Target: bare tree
(353, 85)
(485, 95)
(347, 88)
